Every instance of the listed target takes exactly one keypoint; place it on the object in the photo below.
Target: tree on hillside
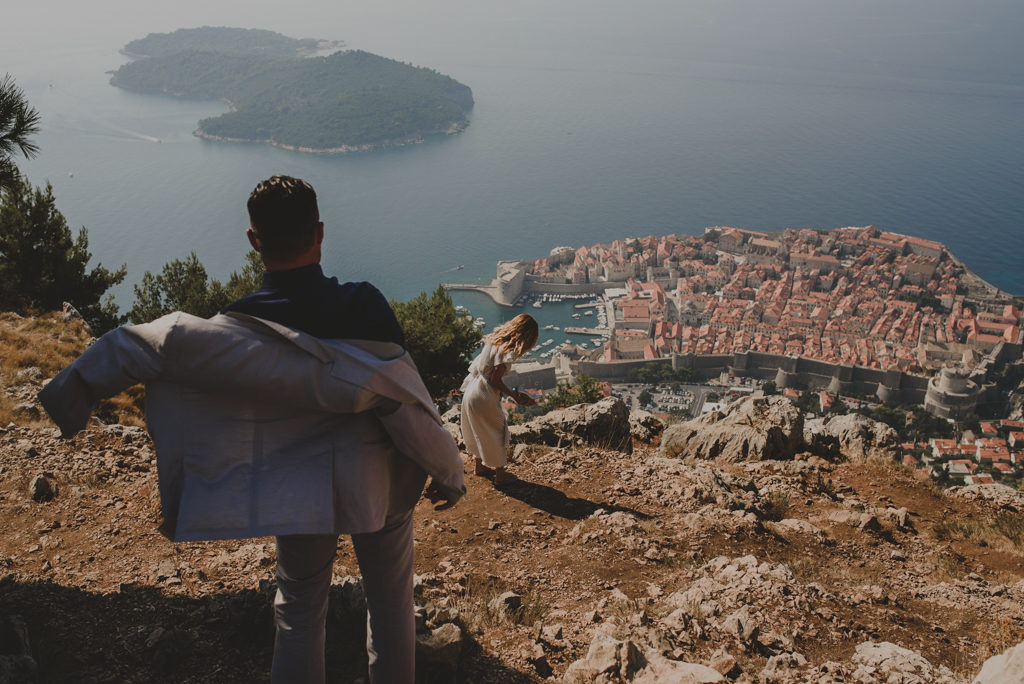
(586, 390)
(440, 341)
(18, 121)
(184, 285)
(42, 266)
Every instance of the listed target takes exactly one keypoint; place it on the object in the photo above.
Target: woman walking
(483, 421)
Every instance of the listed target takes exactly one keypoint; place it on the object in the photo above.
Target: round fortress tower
(951, 393)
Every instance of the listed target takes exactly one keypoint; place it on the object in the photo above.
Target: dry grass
(777, 506)
(1011, 526)
(1004, 530)
(807, 569)
(45, 341)
(475, 611)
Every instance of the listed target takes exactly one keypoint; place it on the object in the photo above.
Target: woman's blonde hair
(516, 336)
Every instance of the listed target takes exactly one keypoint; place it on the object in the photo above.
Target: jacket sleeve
(116, 361)
(421, 439)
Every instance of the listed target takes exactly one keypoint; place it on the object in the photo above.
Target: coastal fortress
(848, 311)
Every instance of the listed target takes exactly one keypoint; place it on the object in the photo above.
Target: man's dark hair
(283, 213)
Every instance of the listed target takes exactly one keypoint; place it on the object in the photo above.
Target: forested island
(226, 39)
(346, 101)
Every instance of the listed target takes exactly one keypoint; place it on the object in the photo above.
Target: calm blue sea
(588, 127)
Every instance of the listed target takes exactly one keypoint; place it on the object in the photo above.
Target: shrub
(42, 266)
(440, 341)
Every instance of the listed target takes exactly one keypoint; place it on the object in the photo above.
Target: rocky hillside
(749, 545)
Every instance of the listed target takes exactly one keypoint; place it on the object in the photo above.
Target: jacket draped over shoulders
(263, 430)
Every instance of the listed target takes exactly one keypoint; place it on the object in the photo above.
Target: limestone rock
(794, 526)
(645, 427)
(451, 420)
(509, 603)
(661, 670)
(443, 646)
(1008, 666)
(41, 488)
(741, 624)
(998, 494)
(892, 663)
(722, 662)
(603, 424)
(753, 429)
(608, 660)
(859, 437)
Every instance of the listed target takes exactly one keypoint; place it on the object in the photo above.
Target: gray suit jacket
(263, 430)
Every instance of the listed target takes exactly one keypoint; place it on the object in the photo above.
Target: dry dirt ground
(592, 541)
(589, 539)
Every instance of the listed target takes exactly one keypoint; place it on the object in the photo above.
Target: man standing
(286, 230)
(294, 413)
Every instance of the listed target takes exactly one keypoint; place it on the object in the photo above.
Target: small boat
(460, 267)
(549, 327)
(71, 174)
(575, 315)
(588, 313)
(479, 322)
(537, 304)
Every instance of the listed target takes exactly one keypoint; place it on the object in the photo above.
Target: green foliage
(923, 426)
(183, 285)
(220, 39)
(440, 341)
(18, 121)
(349, 98)
(42, 266)
(1010, 376)
(922, 299)
(769, 388)
(894, 418)
(655, 373)
(808, 402)
(586, 390)
(644, 398)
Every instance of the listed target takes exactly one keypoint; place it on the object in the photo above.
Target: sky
(969, 40)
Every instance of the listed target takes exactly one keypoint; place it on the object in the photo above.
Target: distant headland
(280, 95)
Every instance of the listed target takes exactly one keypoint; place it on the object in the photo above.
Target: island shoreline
(454, 129)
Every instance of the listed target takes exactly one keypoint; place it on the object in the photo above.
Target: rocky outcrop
(855, 436)
(998, 494)
(1008, 666)
(451, 420)
(888, 662)
(645, 426)
(603, 424)
(614, 661)
(754, 429)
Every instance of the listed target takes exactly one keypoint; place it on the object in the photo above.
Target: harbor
(558, 315)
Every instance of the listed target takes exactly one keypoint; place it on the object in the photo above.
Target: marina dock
(587, 331)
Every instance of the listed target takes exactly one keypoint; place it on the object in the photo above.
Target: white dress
(484, 428)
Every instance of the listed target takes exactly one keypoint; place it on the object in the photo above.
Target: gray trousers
(304, 564)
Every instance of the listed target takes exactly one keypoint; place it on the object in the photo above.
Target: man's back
(305, 299)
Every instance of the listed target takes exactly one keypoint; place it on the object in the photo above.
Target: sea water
(587, 128)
